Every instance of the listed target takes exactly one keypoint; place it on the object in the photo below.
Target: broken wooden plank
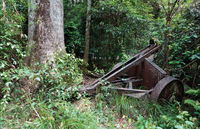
(124, 90)
(136, 95)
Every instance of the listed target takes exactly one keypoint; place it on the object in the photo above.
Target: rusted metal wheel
(168, 88)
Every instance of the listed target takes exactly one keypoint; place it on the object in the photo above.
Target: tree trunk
(45, 35)
(3, 7)
(87, 31)
(166, 44)
(45, 32)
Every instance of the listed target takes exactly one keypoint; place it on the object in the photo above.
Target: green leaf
(179, 127)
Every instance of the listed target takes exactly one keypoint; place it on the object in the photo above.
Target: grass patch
(43, 115)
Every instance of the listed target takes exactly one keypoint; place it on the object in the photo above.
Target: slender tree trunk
(45, 32)
(4, 6)
(87, 31)
(172, 10)
(166, 44)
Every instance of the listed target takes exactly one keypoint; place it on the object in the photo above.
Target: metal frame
(139, 71)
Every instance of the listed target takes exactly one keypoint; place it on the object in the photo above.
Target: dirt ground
(87, 80)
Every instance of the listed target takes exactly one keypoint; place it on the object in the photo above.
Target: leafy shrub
(12, 39)
(143, 123)
(52, 81)
(185, 49)
(12, 43)
(66, 74)
(193, 102)
(181, 121)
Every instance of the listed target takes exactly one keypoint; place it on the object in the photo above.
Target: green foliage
(38, 114)
(52, 81)
(181, 121)
(98, 71)
(150, 115)
(193, 101)
(122, 27)
(185, 49)
(61, 81)
(195, 93)
(65, 69)
(185, 53)
(12, 39)
(143, 123)
(63, 115)
(12, 44)
(194, 104)
(74, 26)
(118, 26)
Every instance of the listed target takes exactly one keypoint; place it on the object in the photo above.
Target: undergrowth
(49, 101)
(146, 114)
(42, 115)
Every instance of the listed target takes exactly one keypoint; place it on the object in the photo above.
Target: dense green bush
(185, 55)
(12, 44)
(185, 49)
(53, 81)
(193, 102)
(62, 81)
(12, 39)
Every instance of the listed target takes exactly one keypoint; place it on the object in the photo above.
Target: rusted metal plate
(151, 73)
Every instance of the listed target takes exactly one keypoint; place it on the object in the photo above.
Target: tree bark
(87, 31)
(4, 6)
(45, 36)
(46, 30)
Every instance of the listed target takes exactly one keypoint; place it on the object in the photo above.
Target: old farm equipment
(140, 77)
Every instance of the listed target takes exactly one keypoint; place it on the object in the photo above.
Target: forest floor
(103, 111)
(87, 80)
(121, 122)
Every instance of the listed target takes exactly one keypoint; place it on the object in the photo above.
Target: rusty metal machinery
(140, 77)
